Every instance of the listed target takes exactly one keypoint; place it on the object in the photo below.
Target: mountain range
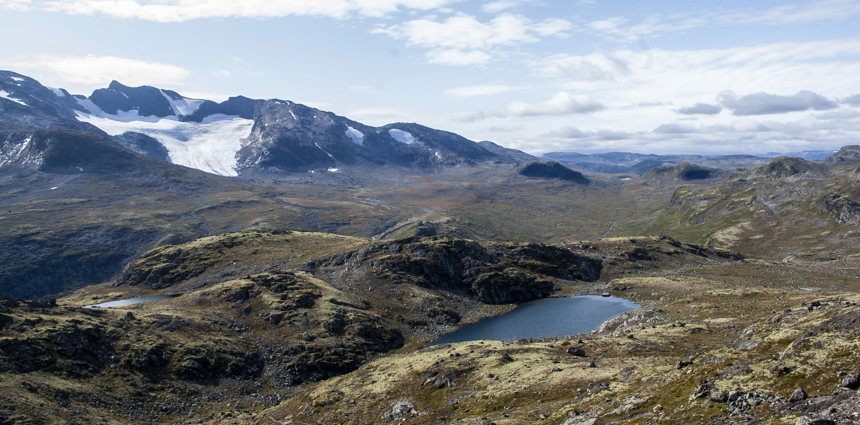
(237, 137)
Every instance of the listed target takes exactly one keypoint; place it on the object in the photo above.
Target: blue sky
(589, 76)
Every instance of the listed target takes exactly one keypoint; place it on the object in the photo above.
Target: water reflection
(544, 318)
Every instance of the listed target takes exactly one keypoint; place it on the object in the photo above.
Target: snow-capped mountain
(239, 136)
(292, 137)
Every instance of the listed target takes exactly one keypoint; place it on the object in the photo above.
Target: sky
(685, 76)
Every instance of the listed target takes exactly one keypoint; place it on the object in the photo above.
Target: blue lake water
(544, 318)
(129, 301)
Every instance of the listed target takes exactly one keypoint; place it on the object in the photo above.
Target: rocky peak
(785, 167)
(24, 102)
(147, 100)
(848, 155)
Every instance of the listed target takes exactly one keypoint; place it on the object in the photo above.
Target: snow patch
(80, 169)
(356, 136)
(8, 96)
(402, 136)
(57, 92)
(210, 145)
(320, 148)
(89, 106)
(54, 188)
(183, 105)
(294, 115)
(18, 79)
(23, 146)
(14, 153)
(332, 170)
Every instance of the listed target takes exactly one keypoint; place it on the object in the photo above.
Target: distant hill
(552, 170)
(635, 163)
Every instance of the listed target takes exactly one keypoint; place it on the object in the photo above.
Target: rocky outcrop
(143, 144)
(786, 167)
(846, 156)
(843, 208)
(552, 170)
(166, 266)
(296, 337)
(490, 273)
(684, 172)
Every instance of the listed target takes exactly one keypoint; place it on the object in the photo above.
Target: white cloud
(797, 13)
(701, 109)
(675, 128)
(592, 67)
(463, 32)
(853, 100)
(609, 25)
(688, 77)
(480, 90)
(464, 40)
(17, 5)
(500, 5)
(766, 103)
(215, 97)
(563, 103)
(100, 70)
(184, 10)
(737, 136)
(622, 29)
(458, 57)
(553, 27)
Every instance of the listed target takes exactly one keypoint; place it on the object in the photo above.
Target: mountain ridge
(239, 136)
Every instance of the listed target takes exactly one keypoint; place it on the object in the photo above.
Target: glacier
(210, 145)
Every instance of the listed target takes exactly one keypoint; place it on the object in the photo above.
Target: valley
(301, 279)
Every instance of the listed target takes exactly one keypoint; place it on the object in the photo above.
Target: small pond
(129, 301)
(544, 318)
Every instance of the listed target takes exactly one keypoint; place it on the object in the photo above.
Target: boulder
(851, 380)
(798, 395)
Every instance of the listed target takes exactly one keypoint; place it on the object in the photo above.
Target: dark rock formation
(143, 144)
(147, 100)
(239, 106)
(684, 171)
(851, 381)
(490, 273)
(552, 170)
(846, 210)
